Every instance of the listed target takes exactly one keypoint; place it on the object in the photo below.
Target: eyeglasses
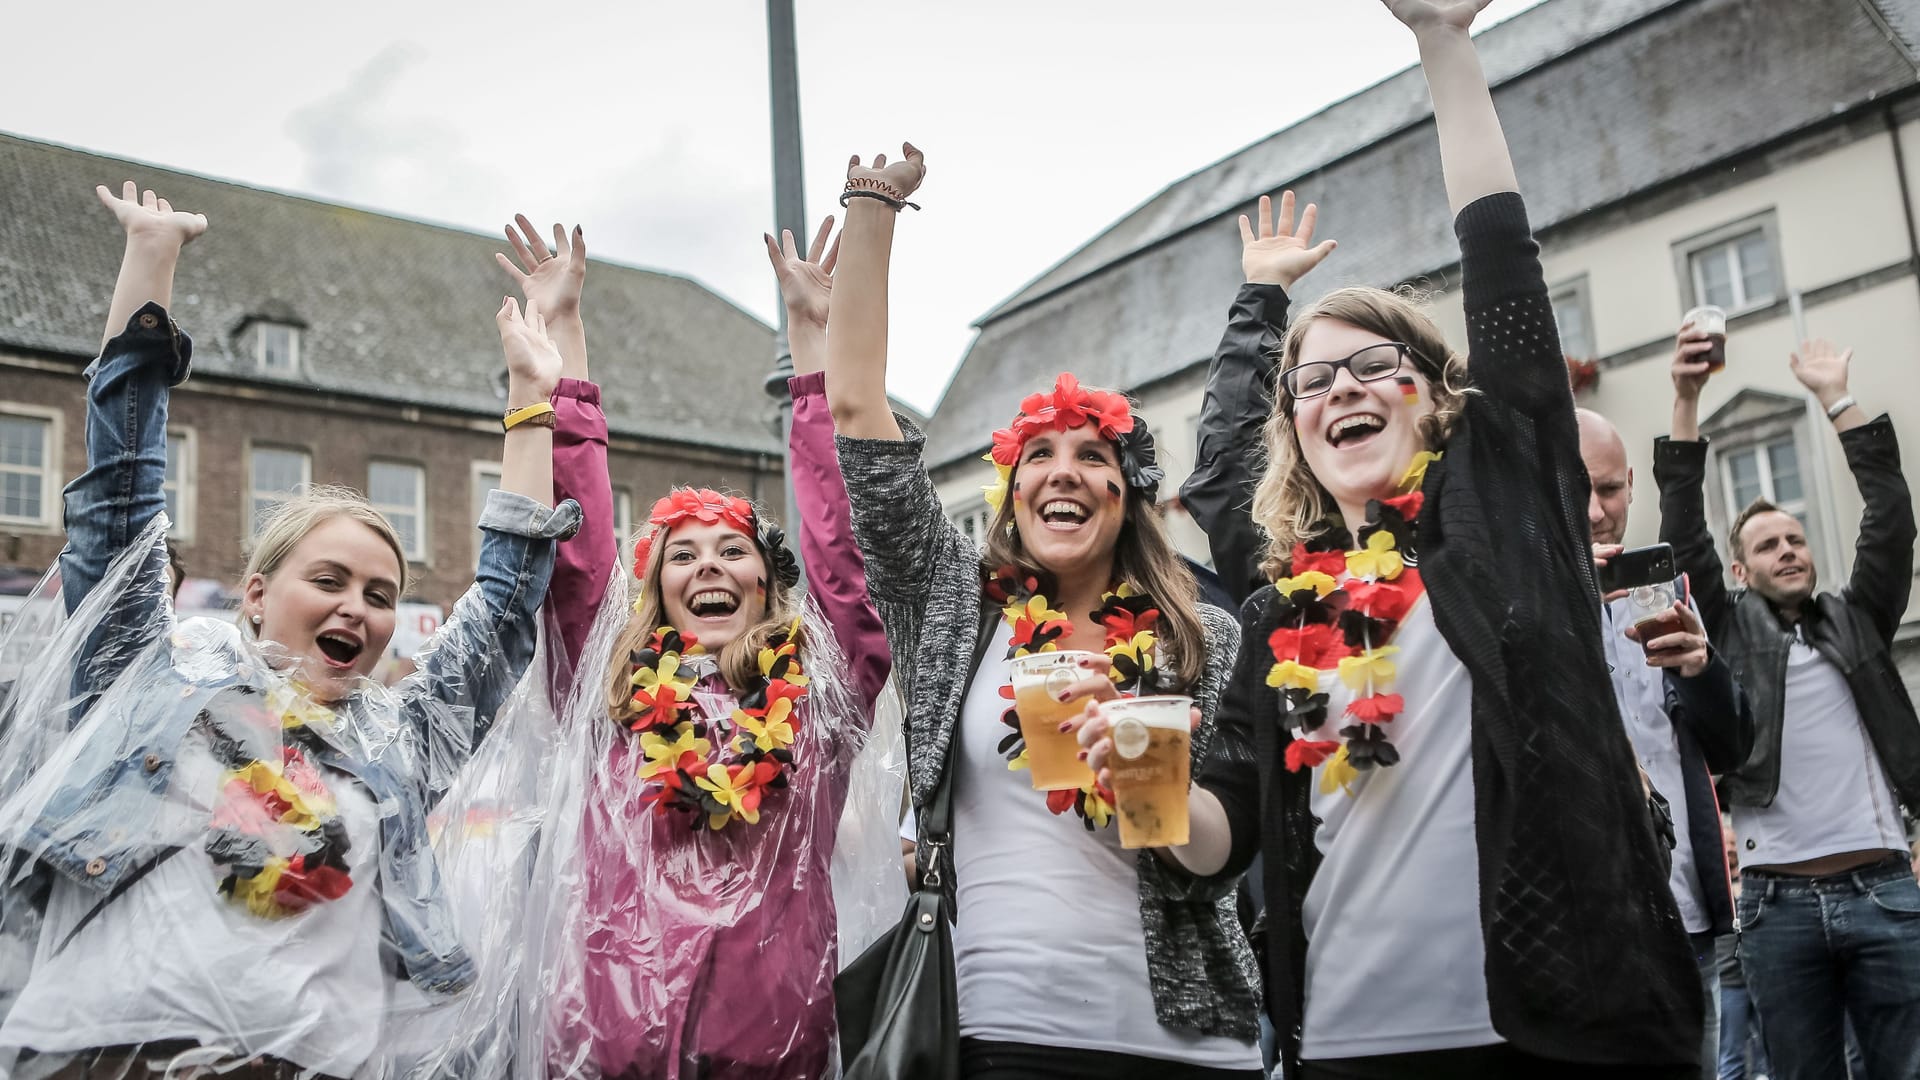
(1371, 364)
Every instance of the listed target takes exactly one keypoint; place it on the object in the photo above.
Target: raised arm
(1680, 471)
(1218, 494)
(143, 355)
(857, 349)
(1473, 149)
(553, 281)
(836, 572)
(1882, 577)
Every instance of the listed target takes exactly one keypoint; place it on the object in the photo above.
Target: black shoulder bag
(897, 1004)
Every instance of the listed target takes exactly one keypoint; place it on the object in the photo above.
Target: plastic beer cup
(1053, 756)
(1152, 754)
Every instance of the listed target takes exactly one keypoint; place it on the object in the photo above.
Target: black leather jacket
(1852, 628)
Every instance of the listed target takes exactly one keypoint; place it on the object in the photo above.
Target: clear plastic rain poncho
(208, 866)
(673, 949)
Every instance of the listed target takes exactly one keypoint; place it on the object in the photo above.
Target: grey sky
(647, 121)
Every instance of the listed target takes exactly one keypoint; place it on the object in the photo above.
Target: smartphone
(1635, 567)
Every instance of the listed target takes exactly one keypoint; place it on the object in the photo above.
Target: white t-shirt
(1642, 693)
(1048, 944)
(171, 958)
(1834, 795)
(1396, 962)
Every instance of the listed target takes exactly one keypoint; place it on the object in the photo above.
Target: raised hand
(552, 279)
(1821, 367)
(1421, 15)
(806, 284)
(533, 361)
(1691, 369)
(1279, 254)
(904, 176)
(148, 218)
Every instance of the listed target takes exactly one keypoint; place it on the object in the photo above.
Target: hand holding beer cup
(1141, 750)
(1673, 638)
(1049, 691)
(1698, 352)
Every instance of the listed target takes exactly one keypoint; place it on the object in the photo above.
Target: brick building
(335, 345)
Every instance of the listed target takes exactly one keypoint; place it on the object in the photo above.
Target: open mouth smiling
(713, 604)
(1063, 514)
(1354, 429)
(340, 648)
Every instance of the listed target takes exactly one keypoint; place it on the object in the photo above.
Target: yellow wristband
(540, 414)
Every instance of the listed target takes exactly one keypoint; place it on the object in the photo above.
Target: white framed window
(1761, 448)
(273, 474)
(183, 453)
(486, 477)
(1735, 267)
(623, 526)
(399, 491)
(1768, 470)
(973, 519)
(1573, 311)
(276, 348)
(29, 465)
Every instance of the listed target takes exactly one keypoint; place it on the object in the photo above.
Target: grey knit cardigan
(924, 577)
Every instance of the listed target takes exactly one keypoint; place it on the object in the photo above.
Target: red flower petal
(1307, 753)
(1378, 708)
(1331, 563)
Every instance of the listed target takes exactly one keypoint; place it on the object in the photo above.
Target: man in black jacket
(1684, 713)
(1830, 914)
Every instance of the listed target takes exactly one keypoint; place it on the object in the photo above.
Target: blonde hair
(1143, 556)
(291, 521)
(739, 659)
(1289, 504)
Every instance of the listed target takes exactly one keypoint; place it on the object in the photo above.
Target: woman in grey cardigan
(1075, 957)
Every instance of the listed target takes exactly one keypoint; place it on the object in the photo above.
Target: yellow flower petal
(1416, 473)
(1337, 773)
(1371, 666)
(1295, 674)
(1320, 583)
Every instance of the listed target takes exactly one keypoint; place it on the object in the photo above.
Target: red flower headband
(700, 504)
(1067, 407)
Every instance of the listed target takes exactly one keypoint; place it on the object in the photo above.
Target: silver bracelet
(1841, 406)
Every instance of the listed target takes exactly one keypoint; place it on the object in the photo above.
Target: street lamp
(789, 208)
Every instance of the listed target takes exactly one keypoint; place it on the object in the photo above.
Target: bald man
(1685, 715)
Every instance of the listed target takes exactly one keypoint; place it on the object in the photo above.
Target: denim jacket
(406, 745)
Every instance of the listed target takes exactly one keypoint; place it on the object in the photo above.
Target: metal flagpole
(789, 211)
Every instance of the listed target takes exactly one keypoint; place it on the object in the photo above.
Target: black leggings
(983, 1060)
(1500, 1062)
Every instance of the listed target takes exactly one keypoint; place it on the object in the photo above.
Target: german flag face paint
(1409, 390)
(1116, 490)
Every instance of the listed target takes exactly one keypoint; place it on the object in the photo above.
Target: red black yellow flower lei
(276, 836)
(718, 771)
(1327, 623)
(1129, 618)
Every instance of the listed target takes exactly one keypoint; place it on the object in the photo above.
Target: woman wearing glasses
(1419, 735)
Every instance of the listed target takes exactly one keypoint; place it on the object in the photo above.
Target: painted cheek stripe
(1409, 392)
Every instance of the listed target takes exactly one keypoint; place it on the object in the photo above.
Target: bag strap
(937, 825)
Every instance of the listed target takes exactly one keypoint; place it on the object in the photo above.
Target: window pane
(1574, 340)
(1715, 274)
(1756, 268)
(484, 480)
(276, 347)
(176, 468)
(23, 441)
(408, 526)
(389, 484)
(1743, 473)
(1785, 464)
(276, 474)
(20, 495)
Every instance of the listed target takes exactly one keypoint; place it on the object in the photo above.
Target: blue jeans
(1709, 963)
(1739, 1034)
(1817, 951)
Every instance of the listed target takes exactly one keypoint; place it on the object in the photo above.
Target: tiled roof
(393, 309)
(1599, 98)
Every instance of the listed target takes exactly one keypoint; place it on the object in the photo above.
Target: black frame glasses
(1290, 378)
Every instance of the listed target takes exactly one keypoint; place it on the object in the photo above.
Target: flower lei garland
(716, 771)
(1067, 407)
(1327, 623)
(1129, 618)
(277, 839)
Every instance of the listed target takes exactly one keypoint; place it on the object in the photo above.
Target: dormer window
(276, 348)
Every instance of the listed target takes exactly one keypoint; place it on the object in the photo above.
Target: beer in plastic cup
(1650, 607)
(1713, 322)
(1053, 756)
(1152, 751)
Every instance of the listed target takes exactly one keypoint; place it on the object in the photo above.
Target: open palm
(552, 279)
(805, 284)
(532, 357)
(146, 216)
(1278, 253)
